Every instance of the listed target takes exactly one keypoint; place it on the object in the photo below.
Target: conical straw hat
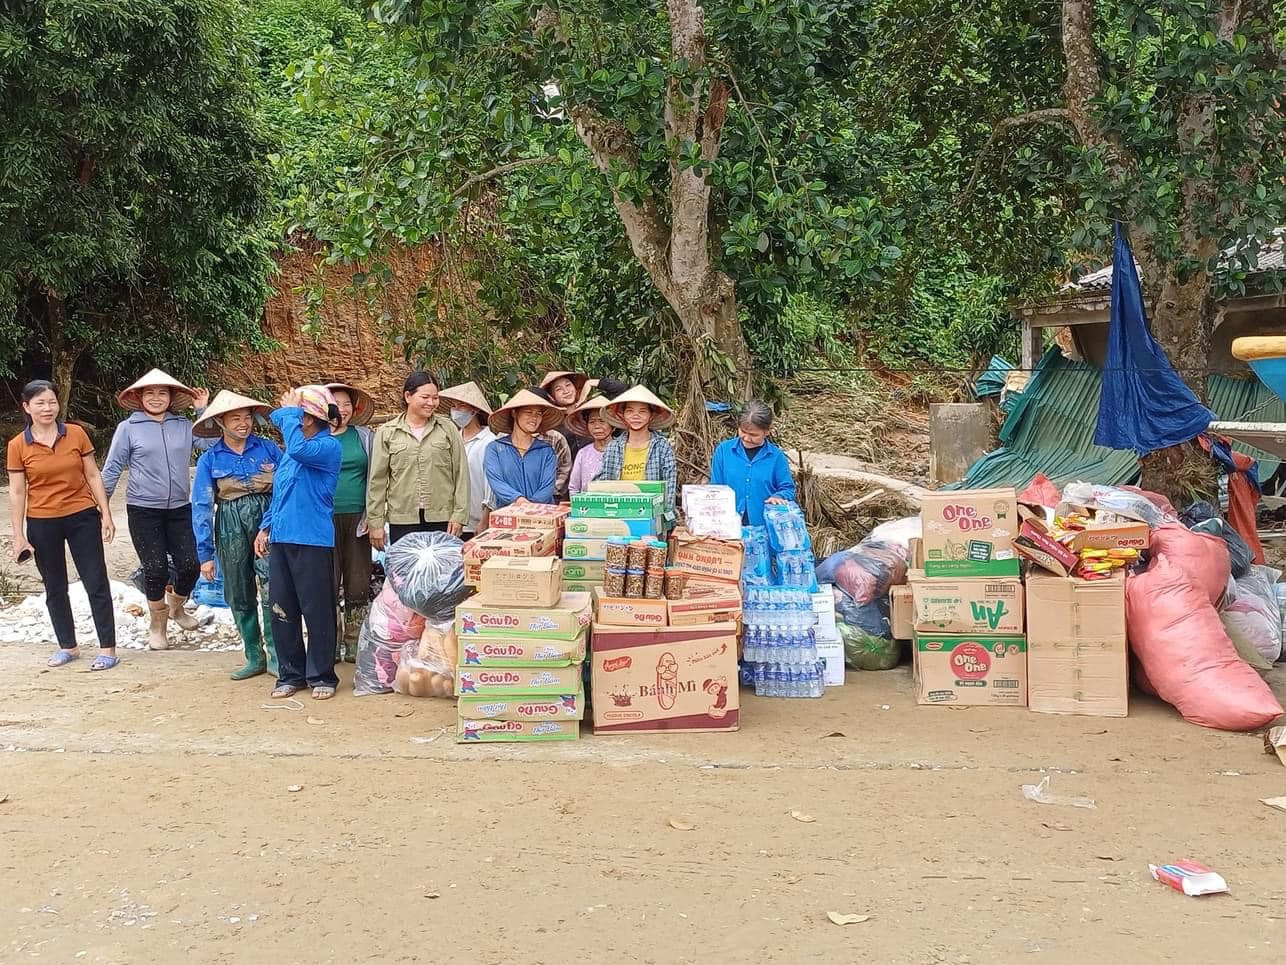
(578, 422)
(181, 397)
(502, 420)
(662, 414)
(578, 379)
(222, 404)
(467, 393)
(363, 403)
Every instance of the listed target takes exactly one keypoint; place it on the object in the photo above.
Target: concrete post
(959, 434)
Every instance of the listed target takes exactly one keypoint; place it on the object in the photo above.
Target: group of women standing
(291, 528)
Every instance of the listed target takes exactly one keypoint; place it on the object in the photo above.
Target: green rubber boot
(269, 647)
(247, 622)
(353, 620)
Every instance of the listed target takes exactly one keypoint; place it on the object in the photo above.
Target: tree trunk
(63, 354)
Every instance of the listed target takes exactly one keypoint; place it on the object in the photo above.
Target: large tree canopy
(132, 184)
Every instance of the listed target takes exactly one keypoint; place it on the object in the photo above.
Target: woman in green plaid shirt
(641, 453)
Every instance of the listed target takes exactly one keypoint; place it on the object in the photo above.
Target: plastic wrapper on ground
(427, 572)
(900, 531)
(427, 665)
(389, 626)
(1203, 558)
(1239, 556)
(1252, 617)
(1131, 503)
(866, 571)
(866, 651)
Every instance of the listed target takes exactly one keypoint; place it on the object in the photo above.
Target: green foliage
(131, 183)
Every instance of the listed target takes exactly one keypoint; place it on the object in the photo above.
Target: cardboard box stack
(522, 644)
(967, 604)
(615, 553)
(524, 530)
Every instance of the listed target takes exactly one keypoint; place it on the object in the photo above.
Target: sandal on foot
(323, 693)
(62, 658)
(104, 662)
(282, 691)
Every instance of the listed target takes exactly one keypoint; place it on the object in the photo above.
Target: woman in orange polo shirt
(56, 491)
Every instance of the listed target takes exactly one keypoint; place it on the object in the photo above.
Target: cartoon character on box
(568, 702)
(468, 624)
(466, 684)
(717, 687)
(667, 681)
(471, 656)
(471, 730)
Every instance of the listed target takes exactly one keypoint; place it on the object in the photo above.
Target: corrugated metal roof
(1051, 428)
(1271, 258)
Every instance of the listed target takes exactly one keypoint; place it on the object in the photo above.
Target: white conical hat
(662, 414)
(467, 393)
(578, 421)
(181, 397)
(502, 420)
(222, 404)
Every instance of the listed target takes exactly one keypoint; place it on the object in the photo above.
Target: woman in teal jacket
(753, 466)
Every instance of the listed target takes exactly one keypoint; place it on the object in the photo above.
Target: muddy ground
(148, 816)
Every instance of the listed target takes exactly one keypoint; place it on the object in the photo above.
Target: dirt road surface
(148, 816)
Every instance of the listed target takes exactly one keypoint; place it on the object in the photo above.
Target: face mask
(461, 417)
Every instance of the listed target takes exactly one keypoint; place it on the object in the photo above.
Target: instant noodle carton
(675, 679)
(565, 621)
(704, 610)
(970, 532)
(577, 548)
(529, 516)
(587, 528)
(584, 571)
(568, 706)
(650, 487)
(629, 612)
(993, 605)
(505, 542)
(964, 670)
(617, 505)
(515, 731)
(496, 651)
(521, 681)
(521, 580)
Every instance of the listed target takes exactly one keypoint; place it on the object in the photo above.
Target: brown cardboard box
(569, 706)
(915, 546)
(565, 621)
(515, 731)
(1110, 536)
(901, 612)
(681, 585)
(715, 559)
(966, 606)
(1078, 658)
(518, 681)
(1036, 544)
(529, 516)
(970, 532)
(703, 610)
(970, 670)
(676, 679)
(505, 542)
(615, 611)
(521, 580)
(478, 650)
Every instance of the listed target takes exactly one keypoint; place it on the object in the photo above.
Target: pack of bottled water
(780, 642)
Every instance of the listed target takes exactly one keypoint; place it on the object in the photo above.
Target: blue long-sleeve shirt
(223, 475)
(512, 475)
(753, 480)
(303, 492)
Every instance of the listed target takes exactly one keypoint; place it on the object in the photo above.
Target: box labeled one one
(563, 621)
(577, 548)
(702, 610)
(901, 612)
(515, 731)
(523, 681)
(993, 605)
(1078, 657)
(494, 651)
(971, 670)
(529, 516)
(616, 506)
(714, 559)
(622, 612)
(970, 532)
(569, 706)
(587, 528)
(672, 679)
(521, 580)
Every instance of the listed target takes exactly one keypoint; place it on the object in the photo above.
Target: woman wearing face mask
(520, 464)
(230, 495)
(155, 446)
(753, 466)
(419, 479)
(57, 502)
(468, 408)
(641, 453)
(352, 544)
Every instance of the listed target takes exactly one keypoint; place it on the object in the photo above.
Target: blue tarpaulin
(1144, 405)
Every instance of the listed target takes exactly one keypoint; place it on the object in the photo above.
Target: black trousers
(301, 592)
(82, 533)
(397, 530)
(159, 536)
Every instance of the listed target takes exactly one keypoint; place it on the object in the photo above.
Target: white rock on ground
(28, 622)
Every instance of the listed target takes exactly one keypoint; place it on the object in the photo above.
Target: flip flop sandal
(285, 690)
(323, 693)
(104, 662)
(62, 658)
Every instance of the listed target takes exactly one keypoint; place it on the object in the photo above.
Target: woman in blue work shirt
(753, 466)
(519, 464)
(300, 526)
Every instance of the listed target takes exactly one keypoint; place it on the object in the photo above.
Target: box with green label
(970, 532)
(591, 550)
(990, 605)
(583, 571)
(587, 528)
(653, 487)
(976, 670)
(617, 506)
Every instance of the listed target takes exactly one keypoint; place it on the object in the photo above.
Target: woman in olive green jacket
(419, 480)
